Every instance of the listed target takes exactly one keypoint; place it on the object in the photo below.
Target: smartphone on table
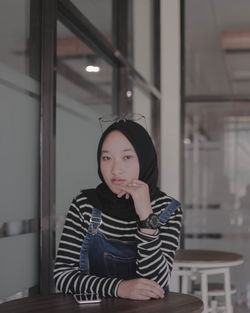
(87, 298)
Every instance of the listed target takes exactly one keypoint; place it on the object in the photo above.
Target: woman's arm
(156, 252)
(156, 248)
(67, 274)
(155, 259)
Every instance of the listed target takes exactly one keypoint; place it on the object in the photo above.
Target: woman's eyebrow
(124, 150)
(129, 149)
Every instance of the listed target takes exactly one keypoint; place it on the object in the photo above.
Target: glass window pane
(217, 46)
(82, 97)
(18, 281)
(142, 21)
(19, 156)
(82, 74)
(217, 146)
(217, 180)
(142, 104)
(14, 34)
(99, 13)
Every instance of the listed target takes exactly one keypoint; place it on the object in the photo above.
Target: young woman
(120, 239)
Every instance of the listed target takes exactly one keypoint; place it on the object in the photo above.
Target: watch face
(153, 221)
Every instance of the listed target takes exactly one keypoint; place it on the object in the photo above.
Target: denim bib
(110, 257)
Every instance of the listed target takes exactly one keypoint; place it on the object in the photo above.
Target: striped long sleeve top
(155, 253)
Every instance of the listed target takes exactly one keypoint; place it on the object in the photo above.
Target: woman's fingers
(140, 289)
(122, 193)
(152, 288)
(139, 192)
(131, 187)
(136, 183)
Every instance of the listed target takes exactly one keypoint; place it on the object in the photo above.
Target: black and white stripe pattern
(155, 252)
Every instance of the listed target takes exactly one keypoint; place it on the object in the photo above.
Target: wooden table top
(172, 303)
(207, 258)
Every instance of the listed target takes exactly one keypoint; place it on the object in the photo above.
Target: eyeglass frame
(123, 117)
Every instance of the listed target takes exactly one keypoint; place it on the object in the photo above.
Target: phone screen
(87, 298)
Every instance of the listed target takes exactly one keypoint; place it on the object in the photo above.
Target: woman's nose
(117, 167)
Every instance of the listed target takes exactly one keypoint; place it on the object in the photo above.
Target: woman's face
(119, 163)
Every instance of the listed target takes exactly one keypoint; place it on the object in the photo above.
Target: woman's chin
(115, 190)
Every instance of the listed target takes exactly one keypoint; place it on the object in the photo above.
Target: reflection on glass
(217, 58)
(99, 13)
(142, 104)
(217, 180)
(217, 146)
(19, 157)
(14, 36)
(83, 95)
(82, 74)
(142, 22)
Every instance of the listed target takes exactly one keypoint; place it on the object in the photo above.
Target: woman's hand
(139, 192)
(140, 289)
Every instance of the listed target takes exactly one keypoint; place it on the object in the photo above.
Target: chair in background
(183, 280)
(205, 263)
(211, 293)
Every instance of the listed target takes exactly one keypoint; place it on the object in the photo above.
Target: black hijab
(122, 208)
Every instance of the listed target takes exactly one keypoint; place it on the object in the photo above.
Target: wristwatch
(150, 223)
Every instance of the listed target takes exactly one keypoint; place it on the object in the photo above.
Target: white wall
(170, 88)
(170, 104)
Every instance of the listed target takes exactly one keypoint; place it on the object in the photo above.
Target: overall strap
(95, 220)
(171, 207)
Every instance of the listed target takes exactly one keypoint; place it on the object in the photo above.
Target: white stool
(225, 290)
(215, 290)
(206, 290)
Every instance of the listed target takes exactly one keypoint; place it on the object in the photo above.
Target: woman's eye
(128, 157)
(106, 158)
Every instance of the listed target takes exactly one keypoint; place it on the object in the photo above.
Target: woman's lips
(117, 181)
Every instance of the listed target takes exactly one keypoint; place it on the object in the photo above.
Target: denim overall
(110, 257)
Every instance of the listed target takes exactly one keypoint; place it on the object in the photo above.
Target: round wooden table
(59, 303)
(206, 258)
